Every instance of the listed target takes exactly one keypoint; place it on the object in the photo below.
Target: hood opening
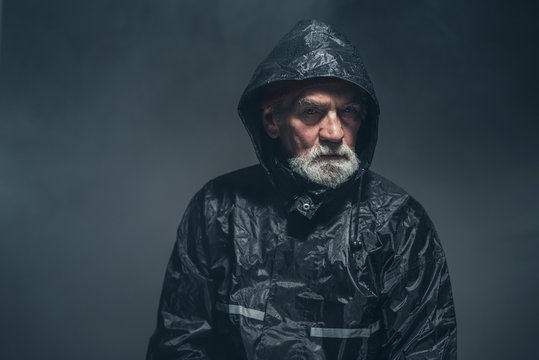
(311, 52)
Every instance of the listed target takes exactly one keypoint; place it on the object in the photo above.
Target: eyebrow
(308, 102)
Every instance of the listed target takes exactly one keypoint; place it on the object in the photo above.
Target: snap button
(305, 206)
(355, 244)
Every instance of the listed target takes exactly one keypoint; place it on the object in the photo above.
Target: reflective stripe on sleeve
(240, 310)
(344, 333)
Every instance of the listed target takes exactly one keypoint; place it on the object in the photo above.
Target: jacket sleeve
(417, 303)
(184, 320)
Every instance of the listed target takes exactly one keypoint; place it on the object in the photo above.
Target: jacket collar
(306, 197)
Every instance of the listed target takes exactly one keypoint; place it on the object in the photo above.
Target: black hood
(312, 49)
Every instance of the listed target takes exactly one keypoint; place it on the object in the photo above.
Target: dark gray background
(113, 113)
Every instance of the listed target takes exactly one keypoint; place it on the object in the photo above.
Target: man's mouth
(331, 157)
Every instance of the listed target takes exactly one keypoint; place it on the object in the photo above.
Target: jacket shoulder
(246, 176)
(247, 181)
(398, 217)
(384, 196)
(206, 214)
(249, 184)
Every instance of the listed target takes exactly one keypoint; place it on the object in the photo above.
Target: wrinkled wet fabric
(268, 265)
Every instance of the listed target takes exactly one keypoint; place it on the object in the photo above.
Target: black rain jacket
(268, 265)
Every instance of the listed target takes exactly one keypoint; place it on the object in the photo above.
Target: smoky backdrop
(113, 113)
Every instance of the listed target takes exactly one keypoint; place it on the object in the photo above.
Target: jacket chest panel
(300, 289)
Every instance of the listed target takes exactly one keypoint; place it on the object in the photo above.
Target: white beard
(328, 172)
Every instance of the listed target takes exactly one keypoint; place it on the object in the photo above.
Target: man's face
(317, 130)
(326, 115)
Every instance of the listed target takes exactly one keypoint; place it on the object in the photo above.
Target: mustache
(326, 164)
(327, 150)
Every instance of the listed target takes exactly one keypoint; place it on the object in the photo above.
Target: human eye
(350, 112)
(309, 115)
(351, 109)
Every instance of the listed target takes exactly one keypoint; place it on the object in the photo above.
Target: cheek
(350, 134)
(299, 138)
(297, 141)
(306, 138)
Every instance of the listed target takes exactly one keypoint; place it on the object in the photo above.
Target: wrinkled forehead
(287, 90)
(344, 93)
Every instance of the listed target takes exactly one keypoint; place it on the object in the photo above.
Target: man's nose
(331, 128)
